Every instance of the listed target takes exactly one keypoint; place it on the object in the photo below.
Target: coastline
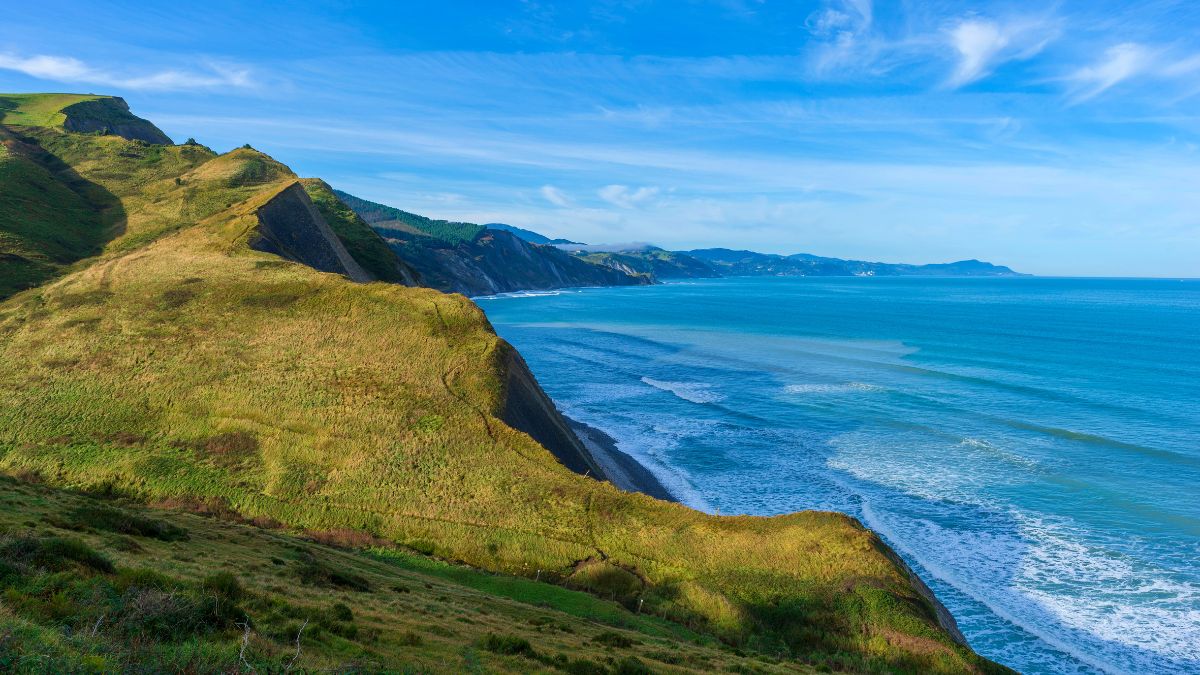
(620, 468)
(630, 475)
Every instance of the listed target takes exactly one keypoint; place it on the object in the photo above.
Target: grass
(40, 110)
(74, 601)
(180, 366)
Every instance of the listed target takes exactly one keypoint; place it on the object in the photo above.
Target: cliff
(527, 408)
(474, 260)
(110, 115)
(291, 227)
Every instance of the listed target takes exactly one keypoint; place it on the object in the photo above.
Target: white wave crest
(696, 392)
(844, 388)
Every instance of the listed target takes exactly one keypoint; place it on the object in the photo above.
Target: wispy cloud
(555, 196)
(846, 41)
(1119, 63)
(72, 70)
(984, 44)
(626, 197)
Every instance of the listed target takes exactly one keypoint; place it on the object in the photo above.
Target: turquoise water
(1030, 446)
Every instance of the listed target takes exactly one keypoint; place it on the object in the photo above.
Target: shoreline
(628, 474)
(619, 467)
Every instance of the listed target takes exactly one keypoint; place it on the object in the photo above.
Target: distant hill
(476, 260)
(657, 263)
(528, 235)
(729, 262)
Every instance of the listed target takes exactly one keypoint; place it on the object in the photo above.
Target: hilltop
(209, 332)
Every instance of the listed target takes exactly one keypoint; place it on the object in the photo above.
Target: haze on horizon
(1057, 139)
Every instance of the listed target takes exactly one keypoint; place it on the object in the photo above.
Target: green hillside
(39, 110)
(183, 366)
(389, 217)
(192, 581)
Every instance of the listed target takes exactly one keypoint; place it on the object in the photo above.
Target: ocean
(1031, 446)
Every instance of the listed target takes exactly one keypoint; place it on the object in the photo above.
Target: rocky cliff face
(291, 227)
(527, 408)
(111, 116)
(496, 262)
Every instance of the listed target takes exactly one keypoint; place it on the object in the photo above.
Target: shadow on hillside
(112, 216)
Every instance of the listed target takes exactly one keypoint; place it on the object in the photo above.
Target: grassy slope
(66, 196)
(406, 610)
(39, 110)
(181, 363)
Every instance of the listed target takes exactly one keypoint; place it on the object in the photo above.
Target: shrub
(580, 666)
(612, 639)
(115, 520)
(316, 572)
(508, 644)
(54, 554)
(226, 585)
(631, 665)
(172, 615)
(346, 538)
(341, 612)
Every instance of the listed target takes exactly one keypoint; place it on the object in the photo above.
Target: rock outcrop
(111, 115)
(291, 227)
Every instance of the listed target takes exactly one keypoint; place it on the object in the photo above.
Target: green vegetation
(367, 247)
(181, 367)
(88, 602)
(386, 217)
(40, 110)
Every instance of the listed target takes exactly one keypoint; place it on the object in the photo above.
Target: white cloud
(1182, 67)
(625, 197)
(983, 44)
(555, 196)
(67, 69)
(1120, 63)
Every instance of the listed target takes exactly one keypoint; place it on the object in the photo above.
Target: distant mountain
(476, 260)
(654, 262)
(727, 262)
(529, 235)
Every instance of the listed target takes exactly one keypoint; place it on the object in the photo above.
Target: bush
(150, 612)
(53, 554)
(101, 517)
(508, 644)
(316, 572)
(612, 639)
(580, 666)
(631, 665)
(226, 585)
(341, 612)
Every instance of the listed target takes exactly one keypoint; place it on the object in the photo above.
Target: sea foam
(696, 392)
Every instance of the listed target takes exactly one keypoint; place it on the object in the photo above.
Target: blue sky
(1058, 138)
